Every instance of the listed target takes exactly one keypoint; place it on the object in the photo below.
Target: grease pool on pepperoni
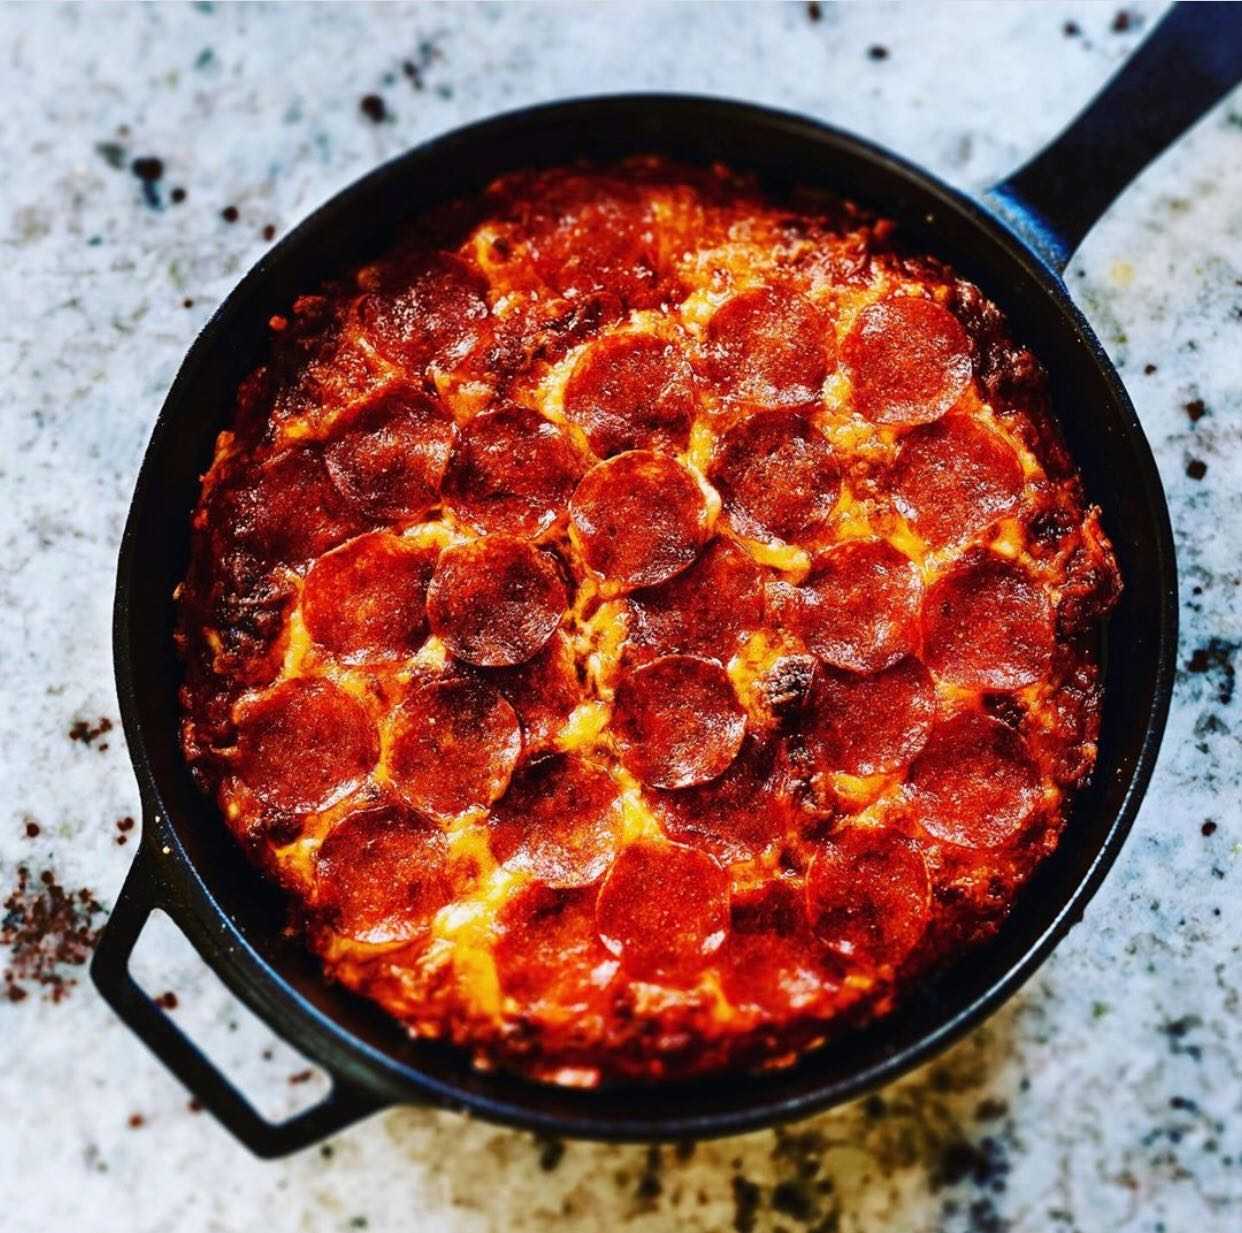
(366, 600)
(641, 517)
(495, 600)
(304, 744)
(988, 624)
(769, 962)
(559, 820)
(390, 456)
(769, 347)
(663, 910)
(870, 724)
(857, 608)
(974, 784)
(677, 721)
(705, 610)
(909, 360)
(776, 476)
(428, 310)
(954, 478)
(454, 745)
(868, 896)
(511, 470)
(631, 391)
(735, 816)
(543, 690)
(549, 953)
(381, 874)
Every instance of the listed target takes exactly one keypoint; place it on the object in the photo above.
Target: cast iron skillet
(1014, 246)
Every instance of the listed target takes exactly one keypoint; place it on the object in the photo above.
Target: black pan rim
(356, 1061)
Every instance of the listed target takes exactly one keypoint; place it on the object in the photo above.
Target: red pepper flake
(167, 1000)
(278, 323)
(87, 733)
(136, 1120)
(301, 1076)
(125, 824)
(269, 232)
(47, 929)
(230, 214)
(194, 1105)
(32, 829)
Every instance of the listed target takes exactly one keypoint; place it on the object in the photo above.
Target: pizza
(648, 625)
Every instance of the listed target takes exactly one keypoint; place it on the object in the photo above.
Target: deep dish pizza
(645, 625)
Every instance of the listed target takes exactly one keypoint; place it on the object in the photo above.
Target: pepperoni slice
(389, 460)
(769, 961)
(549, 954)
(317, 367)
(511, 470)
(544, 690)
(857, 609)
(593, 238)
(909, 360)
(734, 817)
(974, 783)
(381, 874)
(776, 477)
(558, 821)
(705, 610)
(366, 600)
(954, 478)
(304, 744)
(631, 391)
(988, 624)
(677, 721)
(641, 518)
(290, 511)
(495, 601)
(866, 725)
(454, 746)
(431, 311)
(769, 347)
(663, 910)
(868, 896)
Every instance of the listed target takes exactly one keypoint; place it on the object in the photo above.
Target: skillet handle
(141, 894)
(1189, 62)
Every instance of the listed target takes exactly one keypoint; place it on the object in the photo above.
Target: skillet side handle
(1188, 63)
(142, 894)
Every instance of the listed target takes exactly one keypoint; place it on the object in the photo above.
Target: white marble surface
(1107, 1096)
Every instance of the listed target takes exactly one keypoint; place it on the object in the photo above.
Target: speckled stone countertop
(149, 156)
